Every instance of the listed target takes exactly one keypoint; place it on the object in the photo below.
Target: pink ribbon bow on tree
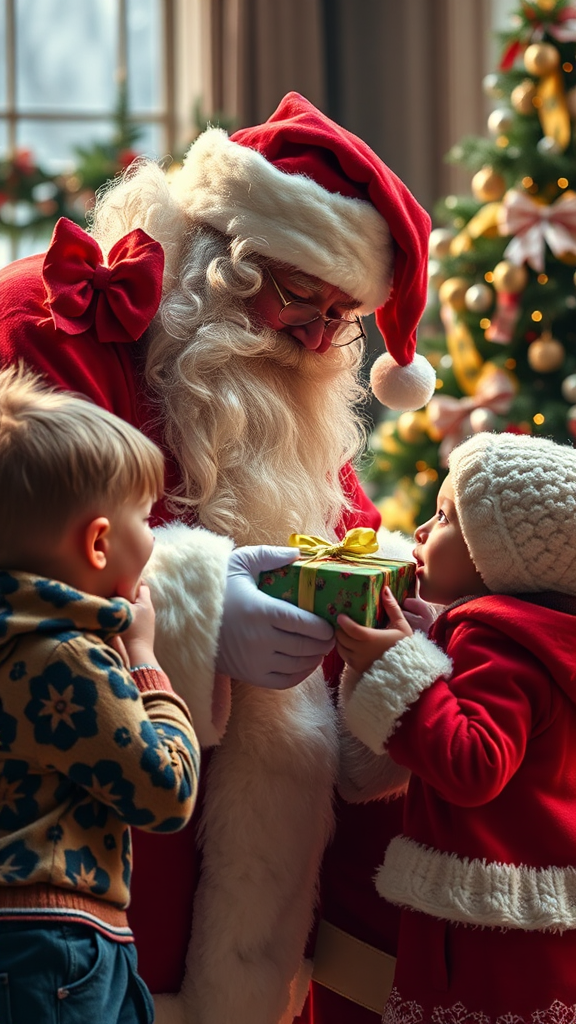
(563, 29)
(118, 299)
(451, 417)
(535, 225)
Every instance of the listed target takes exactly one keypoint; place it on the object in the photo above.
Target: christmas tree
(500, 327)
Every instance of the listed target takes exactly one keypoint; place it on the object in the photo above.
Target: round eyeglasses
(340, 330)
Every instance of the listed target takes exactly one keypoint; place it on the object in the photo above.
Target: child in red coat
(482, 713)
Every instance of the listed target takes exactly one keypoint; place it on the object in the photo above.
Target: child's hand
(419, 613)
(139, 637)
(360, 646)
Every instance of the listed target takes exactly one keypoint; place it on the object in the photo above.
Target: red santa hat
(310, 194)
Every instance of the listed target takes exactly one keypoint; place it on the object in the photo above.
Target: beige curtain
(254, 51)
(408, 79)
(405, 75)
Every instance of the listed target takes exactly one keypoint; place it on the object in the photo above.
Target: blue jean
(57, 973)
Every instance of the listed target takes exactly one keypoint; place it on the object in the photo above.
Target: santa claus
(218, 308)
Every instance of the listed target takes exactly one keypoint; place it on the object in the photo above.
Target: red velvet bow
(119, 299)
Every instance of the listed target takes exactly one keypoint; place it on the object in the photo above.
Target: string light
(539, 419)
(542, 278)
(567, 67)
(536, 315)
(439, 384)
(510, 364)
(421, 466)
(563, 183)
(527, 182)
(485, 323)
(502, 141)
(489, 276)
(424, 477)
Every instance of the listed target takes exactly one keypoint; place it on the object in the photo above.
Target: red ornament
(515, 428)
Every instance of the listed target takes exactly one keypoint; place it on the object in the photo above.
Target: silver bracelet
(136, 668)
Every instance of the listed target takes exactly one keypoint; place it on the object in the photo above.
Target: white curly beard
(261, 429)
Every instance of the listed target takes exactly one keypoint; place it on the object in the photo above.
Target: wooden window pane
(76, 70)
(145, 46)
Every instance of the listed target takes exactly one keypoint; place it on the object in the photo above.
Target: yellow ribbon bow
(358, 542)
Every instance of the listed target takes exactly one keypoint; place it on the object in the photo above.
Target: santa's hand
(263, 640)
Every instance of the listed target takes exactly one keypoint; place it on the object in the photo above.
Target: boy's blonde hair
(59, 455)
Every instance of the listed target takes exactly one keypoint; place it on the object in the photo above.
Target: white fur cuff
(476, 891)
(373, 707)
(187, 577)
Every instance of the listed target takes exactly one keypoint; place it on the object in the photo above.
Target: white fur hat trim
(288, 217)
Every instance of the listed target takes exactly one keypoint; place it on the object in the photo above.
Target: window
(69, 64)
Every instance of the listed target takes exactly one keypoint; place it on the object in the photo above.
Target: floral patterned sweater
(86, 751)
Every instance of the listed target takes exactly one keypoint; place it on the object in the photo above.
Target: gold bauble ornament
(453, 293)
(436, 275)
(482, 419)
(500, 121)
(569, 388)
(541, 58)
(492, 87)
(546, 354)
(522, 96)
(479, 298)
(487, 185)
(510, 278)
(439, 244)
(411, 427)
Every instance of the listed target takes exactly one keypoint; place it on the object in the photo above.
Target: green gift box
(336, 579)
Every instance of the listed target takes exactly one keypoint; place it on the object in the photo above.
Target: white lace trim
(397, 1011)
(477, 891)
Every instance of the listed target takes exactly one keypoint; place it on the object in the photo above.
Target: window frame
(11, 115)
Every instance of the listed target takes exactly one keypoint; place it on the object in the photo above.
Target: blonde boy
(88, 747)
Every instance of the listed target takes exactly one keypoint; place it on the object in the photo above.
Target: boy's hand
(139, 637)
(360, 646)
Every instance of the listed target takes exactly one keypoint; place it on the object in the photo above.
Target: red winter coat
(486, 866)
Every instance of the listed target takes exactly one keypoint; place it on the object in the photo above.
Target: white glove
(263, 640)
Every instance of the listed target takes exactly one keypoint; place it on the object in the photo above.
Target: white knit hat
(515, 498)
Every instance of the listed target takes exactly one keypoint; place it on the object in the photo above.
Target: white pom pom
(402, 387)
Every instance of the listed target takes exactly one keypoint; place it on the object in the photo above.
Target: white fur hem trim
(267, 818)
(187, 577)
(373, 706)
(477, 892)
(288, 217)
